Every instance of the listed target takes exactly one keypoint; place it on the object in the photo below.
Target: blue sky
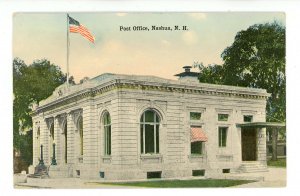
(159, 53)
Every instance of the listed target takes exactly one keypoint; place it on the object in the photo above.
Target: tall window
(107, 133)
(196, 147)
(80, 127)
(222, 136)
(198, 138)
(149, 132)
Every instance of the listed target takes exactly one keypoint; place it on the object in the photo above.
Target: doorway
(249, 145)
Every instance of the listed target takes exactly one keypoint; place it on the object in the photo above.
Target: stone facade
(126, 98)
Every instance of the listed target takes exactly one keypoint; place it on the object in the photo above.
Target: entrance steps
(251, 167)
(41, 171)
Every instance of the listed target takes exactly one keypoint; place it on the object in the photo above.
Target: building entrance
(249, 145)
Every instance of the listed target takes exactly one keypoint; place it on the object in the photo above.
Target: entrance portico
(253, 144)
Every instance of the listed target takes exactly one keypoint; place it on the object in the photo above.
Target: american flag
(76, 27)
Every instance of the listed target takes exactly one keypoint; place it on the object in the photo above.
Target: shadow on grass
(184, 183)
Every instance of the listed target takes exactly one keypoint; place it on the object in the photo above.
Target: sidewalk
(275, 177)
(63, 183)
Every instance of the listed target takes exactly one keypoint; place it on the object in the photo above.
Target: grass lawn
(278, 163)
(184, 183)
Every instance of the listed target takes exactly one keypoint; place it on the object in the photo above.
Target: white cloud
(190, 37)
(198, 16)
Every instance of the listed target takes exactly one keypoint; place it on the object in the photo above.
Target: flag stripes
(76, 27)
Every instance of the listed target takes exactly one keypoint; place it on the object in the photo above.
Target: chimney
(187, 68)
(187, 75)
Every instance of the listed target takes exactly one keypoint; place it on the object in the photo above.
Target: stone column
(35, 154)
(70, 138)
(90, 135)
(57, 131)
(61, 143)
(261, 145)
(44, 140)
(49, 146)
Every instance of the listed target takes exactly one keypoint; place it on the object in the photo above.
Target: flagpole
(68, 45)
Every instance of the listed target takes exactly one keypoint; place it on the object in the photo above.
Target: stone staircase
(252, 167)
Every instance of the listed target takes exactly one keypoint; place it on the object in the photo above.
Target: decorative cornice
(124, 84)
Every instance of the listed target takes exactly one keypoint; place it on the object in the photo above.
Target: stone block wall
(125, 107)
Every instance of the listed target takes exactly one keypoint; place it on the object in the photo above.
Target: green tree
(255, 59)
(210, 74)
(31, 84)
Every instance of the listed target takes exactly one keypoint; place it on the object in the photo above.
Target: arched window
(80, 129)
(107, 133)
(149, 124)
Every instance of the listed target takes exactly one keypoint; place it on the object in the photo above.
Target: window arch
(107, 133)
(80, 129)
(149, 126)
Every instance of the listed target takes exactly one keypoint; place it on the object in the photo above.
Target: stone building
(123, 127)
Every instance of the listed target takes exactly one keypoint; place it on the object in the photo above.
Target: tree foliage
(210, 74)
(255, 59)
(31, 84)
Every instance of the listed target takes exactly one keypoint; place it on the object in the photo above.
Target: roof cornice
(167, 86)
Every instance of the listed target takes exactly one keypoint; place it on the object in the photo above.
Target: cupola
(187, 75)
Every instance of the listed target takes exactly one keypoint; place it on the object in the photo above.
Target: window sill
(225, 157)
(196, 156)
(151, 158)
(196, 123)
(106, 159)
(224, 124)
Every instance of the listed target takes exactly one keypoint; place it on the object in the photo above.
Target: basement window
(198, 172)
(78, 172)
(226, 171)
(156, 174)
(101, 174)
